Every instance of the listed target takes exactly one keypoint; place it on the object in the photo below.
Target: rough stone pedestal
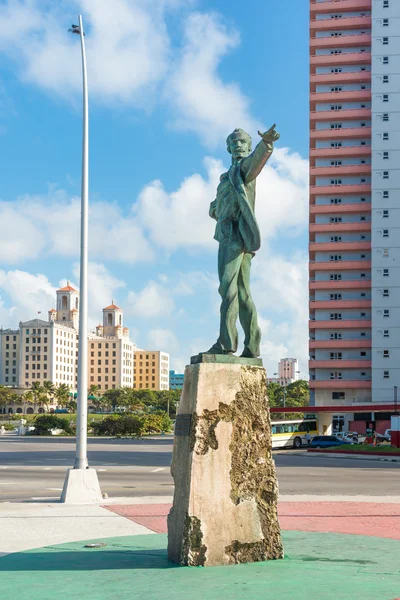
(226, 491)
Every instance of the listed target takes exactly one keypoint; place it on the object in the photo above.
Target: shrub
(119, 425)
(157, 423)
(132, 424)
(44, 423)
(8, 426)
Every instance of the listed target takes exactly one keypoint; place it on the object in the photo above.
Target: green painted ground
(317, 566)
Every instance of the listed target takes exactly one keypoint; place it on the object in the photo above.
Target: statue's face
(239, 146)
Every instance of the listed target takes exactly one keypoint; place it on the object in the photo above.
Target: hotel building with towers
(40, 351)
(354, 229)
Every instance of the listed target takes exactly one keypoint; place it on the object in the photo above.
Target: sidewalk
(334, 549)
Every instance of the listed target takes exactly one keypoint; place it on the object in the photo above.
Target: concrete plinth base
(81, 486)
(226, 492)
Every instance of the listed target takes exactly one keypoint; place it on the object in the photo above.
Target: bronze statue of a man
(239, 238)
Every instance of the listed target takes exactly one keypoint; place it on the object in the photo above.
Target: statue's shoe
(247, 354)
(216, 349)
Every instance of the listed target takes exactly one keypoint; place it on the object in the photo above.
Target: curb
(383, 456)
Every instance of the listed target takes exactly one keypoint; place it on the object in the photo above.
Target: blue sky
(169, 80)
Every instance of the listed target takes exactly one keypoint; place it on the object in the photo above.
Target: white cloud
(201, 101)
(24, 295)
(34, 225)
(162, 339)
(184, 211)
(131, 55)
(102, 289)
(28, 295)
(127, 47)
(282, 194)
(153, 301)
(280, 290)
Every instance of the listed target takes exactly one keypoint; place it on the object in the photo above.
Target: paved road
(32, 468)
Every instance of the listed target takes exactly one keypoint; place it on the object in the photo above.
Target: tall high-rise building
(288, 368)
(354, 200)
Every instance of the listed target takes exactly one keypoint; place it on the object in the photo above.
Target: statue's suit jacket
(233, 208)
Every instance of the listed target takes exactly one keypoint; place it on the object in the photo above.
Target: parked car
(326, 441)
(382, 438)
(388, 435)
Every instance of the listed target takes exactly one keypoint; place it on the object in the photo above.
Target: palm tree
(16, 398)
(48, 389)
(28, 397)
(93, 390)
(62, 394)
(39, 395)
(5, 395)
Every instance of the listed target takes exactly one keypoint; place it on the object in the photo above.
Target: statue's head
(238, 144)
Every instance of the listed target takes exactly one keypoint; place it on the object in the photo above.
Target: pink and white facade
(354, 201)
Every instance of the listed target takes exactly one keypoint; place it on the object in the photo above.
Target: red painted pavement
(361, 518)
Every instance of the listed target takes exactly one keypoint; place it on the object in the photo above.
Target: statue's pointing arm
(253, 164)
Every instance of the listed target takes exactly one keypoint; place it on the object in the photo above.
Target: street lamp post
(81, 484)
(81, 461)
(284, 389)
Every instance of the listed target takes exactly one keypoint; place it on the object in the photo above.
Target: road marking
(101, 470)
(47, 469)
(157, 470)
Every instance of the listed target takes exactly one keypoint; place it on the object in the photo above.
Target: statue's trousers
(234, 276)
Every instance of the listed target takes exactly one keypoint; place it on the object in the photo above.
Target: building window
(363, 354)
(385, 293)
(385, 117)
(386, 354)
(336, 375)
(386, 155)
(385, 252)
(385, 79)
(385, 22)
(386, 272)
(385, 194)
(385, 214)
(386, 312)
(385, 41)
(385, 374)
(386, 333)
(385, 233)
(385, 98)
(385, 60)
(385, 3)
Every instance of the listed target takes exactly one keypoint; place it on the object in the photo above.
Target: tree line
(120, 399)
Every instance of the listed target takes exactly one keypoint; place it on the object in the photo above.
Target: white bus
(292, 433)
